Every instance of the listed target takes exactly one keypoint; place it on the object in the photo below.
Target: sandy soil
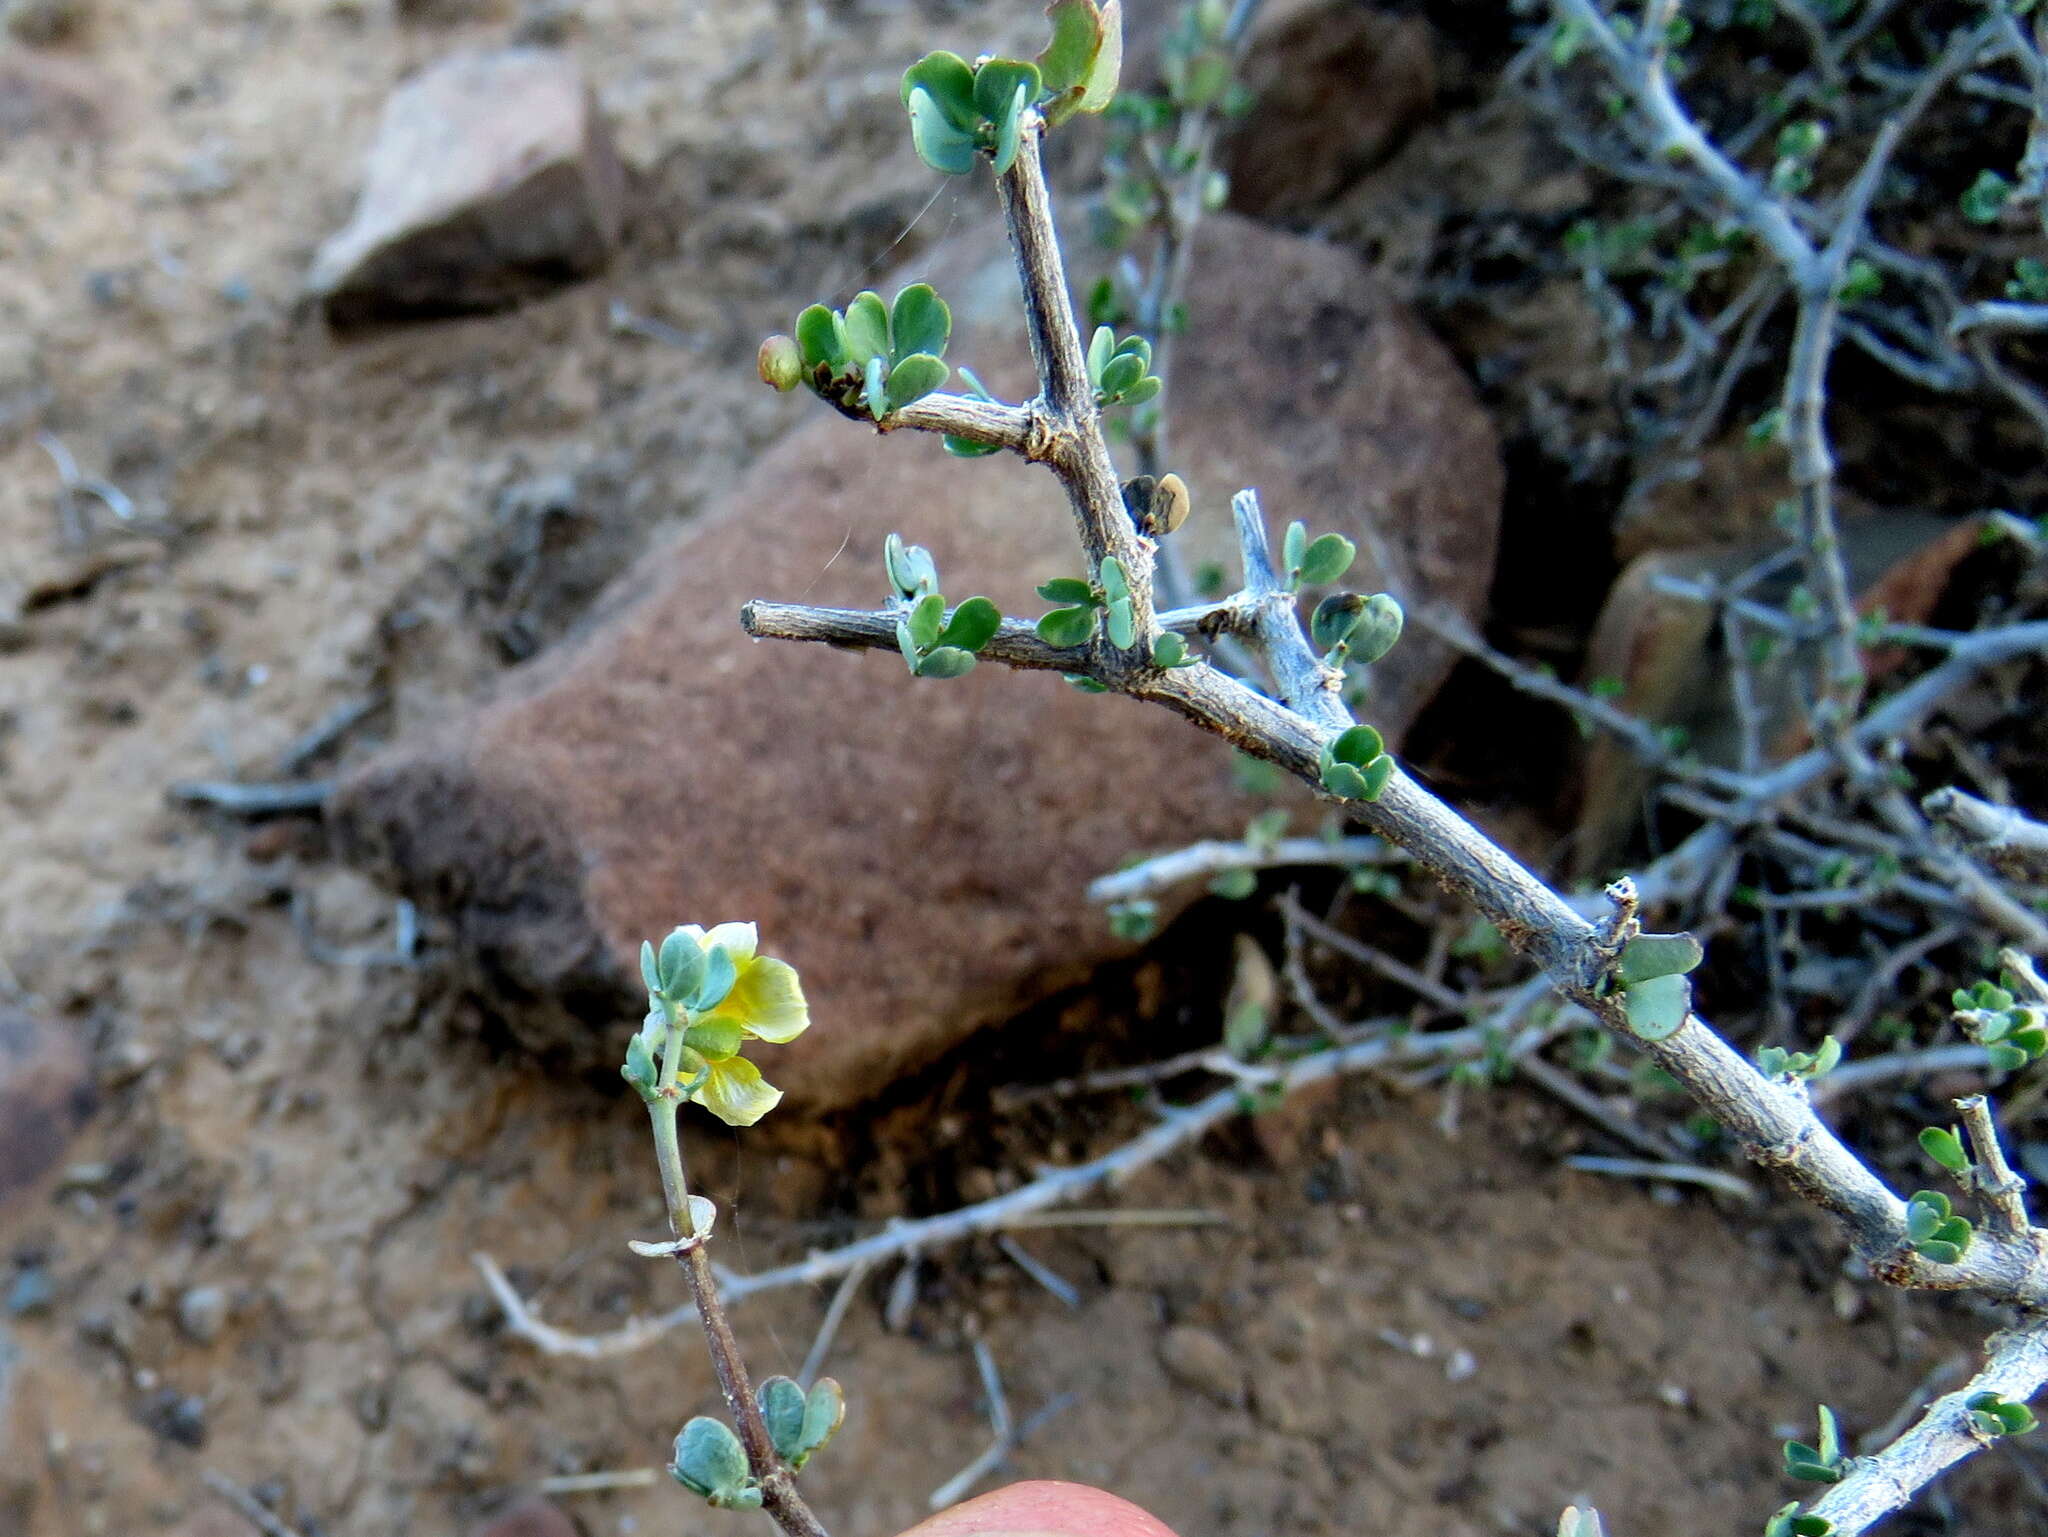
(1441, 1331)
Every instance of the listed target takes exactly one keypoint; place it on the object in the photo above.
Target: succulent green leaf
(907, 645)
(1658, 1006)
(1334, 619)
(939, 143)
(639, 1070)
(1120, 374)
(1076, 35)
(969, 448)
(1115, 584)
(1327, 559)
(973, 625)
(914, 378)
(782, 1410)
(821, 337)
(2007, 1059)
(919, 321)
(1067, 626)
(1826, 1059)
(1657, 955)
(1945, 1148)
(867, 328)
(1378, 628)
(1358, 745)
(1938, 1250)
(911, 570)
(1066, 589)
(1342, 779)
(824, 1413)
(1830, 1436)
(1376, 774)
(1101, 347)
(927, 617)
(1098, 86)
(1010, 131)
(1169, 650)
(948, 80)
(876, 393)
(2017, 1419)
(1145, 389)
(996, 84)
(1120, 624)
(650, 969)
(945, 662)
(709, 1460)
(1293, 545)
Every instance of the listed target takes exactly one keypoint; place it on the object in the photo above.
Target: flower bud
(782, 363)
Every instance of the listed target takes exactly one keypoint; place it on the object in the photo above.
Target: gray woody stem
(1305, 710)
(779, 1495)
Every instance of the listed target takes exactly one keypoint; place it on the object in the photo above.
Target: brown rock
(45, 1095)
(530, 1518)
(1203, 1363)
(493, 177)
(1339, 88)
(918, 850)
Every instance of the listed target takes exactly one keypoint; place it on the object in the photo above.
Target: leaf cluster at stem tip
(934, 643)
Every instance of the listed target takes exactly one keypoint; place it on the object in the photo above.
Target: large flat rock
(918, 849)
(493, 177)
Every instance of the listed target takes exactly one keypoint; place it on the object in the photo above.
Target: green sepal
(919, 321)
(1657, 1006)
(915, 377)
(938, 142)
(1066, 589)
(718, 977)
(715, 1040)
(821, 337)
(1327, 559)
(1657, 955)
(1067, 626)
(945, 662)
(679, 966)
(949, 80)
(927, 616)
(1120, 624)
(973, 625)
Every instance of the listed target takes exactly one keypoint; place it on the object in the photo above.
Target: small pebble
(201, 1312)
(31, 1293)
(1198, 1360)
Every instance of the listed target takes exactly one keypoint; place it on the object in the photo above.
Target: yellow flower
(766, 1004)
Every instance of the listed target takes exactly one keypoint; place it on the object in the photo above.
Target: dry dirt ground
(1442, 1331)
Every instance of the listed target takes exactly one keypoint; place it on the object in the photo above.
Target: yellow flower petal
(736, 1093)
(767, 1000)
(740, 941)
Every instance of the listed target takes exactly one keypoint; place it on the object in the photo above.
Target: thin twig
(254, 800)
(2002, 836)
(247, 1506)
(1675, 1173)
(1162, 872)
(828, 1328)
